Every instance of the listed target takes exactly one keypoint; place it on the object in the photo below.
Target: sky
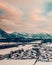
(30, 16)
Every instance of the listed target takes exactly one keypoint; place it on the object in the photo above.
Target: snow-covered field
(23, 62)
(20, 62)
(5, 51)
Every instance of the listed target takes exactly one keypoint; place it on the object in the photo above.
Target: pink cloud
(12, 17)
(35, 15)
(12, 21)
(11, 11)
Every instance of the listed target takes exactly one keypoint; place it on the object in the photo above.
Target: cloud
(21, 2)
(42, 22)
(10, 11)
(11, 18)
(26, 16)
(47, 7)
(36, 16)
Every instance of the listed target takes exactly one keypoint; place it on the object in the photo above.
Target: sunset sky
(31, 16)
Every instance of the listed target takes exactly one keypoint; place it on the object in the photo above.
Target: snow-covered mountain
(4, 34)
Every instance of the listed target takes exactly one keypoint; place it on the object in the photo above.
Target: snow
(5, 51)
(22, 62)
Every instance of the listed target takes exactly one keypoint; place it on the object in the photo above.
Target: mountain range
(5, 35)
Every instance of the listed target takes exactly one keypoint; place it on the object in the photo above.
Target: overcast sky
(31, 16)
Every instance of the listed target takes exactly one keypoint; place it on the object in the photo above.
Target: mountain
(33, 36)
(3, 34)
(14, 35)
(19, 35)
